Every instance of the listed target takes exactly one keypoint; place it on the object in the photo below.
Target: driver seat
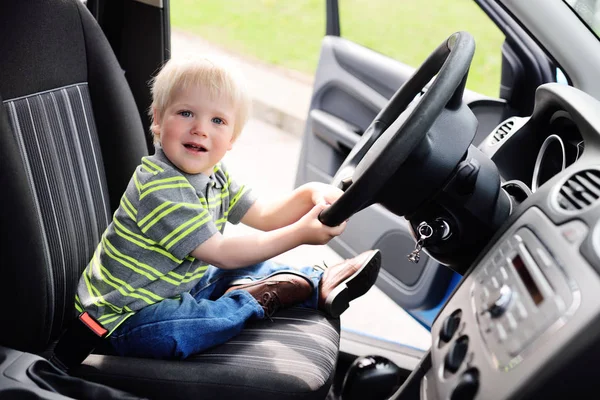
(70, 137)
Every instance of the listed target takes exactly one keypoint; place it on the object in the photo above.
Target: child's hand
(324, 193)
(312, 231)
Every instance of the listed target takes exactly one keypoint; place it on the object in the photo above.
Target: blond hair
(213, 74)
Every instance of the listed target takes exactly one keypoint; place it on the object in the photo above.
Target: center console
(520, 294)
(522, 323)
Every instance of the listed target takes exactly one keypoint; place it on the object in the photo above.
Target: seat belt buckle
(77, 342)
(92, 324)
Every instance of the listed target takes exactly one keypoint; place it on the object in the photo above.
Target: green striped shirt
(144, 254)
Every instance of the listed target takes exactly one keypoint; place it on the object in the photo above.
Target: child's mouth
(195, 147)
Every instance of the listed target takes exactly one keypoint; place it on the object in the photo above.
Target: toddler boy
(164, 281)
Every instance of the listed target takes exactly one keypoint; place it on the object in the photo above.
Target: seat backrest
(70, 137)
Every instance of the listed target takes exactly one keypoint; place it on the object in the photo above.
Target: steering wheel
(401, 126)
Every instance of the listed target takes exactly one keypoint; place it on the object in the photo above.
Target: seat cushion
(290, 356)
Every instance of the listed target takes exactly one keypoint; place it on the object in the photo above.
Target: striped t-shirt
(144, 254)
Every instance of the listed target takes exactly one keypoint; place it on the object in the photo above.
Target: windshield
(589, 12)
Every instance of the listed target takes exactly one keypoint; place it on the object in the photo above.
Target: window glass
(286, 33)
(409, 30)
(589, 12)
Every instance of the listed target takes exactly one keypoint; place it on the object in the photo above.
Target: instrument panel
(525, 320)
(522, 306)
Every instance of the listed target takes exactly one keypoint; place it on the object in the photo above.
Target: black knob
(449, 327)
(456, 354)
(467, 386)
(499, 301)
(466, 176)
(371, 377)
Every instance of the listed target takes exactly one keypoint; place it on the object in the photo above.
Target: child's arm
(275, 214)
(237, 252)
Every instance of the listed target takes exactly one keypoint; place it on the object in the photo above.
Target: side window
(409, 31)
(286, 33)
(589, 11)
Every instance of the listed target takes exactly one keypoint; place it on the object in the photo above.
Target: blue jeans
(201, 318)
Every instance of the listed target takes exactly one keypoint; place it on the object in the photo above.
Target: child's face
(195, 130)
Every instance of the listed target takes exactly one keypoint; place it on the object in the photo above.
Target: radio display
(527, 279)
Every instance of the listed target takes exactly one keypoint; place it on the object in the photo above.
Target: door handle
(339, 134)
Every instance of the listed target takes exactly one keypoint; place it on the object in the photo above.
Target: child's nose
(199, 129)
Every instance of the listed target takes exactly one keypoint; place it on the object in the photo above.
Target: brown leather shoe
(278, 290)
(344, 282)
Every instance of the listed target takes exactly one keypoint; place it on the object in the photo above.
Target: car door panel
(337, 133)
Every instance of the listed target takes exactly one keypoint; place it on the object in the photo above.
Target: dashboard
(525, 320)
(536, 154)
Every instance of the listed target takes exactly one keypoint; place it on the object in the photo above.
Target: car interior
(504, 203)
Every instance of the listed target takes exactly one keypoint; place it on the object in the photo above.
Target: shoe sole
(355, 286)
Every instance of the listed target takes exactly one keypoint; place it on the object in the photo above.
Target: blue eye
(218, 121)
(185, 113)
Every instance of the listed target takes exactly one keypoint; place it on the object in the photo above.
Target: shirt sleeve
(241, 198)
(171, 214)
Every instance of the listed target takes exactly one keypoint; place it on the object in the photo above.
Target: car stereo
(518, 294)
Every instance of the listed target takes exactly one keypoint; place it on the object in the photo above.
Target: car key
(425, 231)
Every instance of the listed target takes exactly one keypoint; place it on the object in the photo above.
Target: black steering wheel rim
(396, 132)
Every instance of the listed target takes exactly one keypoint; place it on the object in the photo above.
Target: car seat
(70, 138)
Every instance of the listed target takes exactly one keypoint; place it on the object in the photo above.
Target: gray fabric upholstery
(57, 139)
(291, 356)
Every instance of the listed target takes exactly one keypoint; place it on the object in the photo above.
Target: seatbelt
(77, 342)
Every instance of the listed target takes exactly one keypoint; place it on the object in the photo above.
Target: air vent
(502, 130)
(580, 191)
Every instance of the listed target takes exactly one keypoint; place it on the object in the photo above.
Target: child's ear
(155, 116)
(155, 127)
(231, 141)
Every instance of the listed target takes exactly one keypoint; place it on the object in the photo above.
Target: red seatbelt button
(92, 324)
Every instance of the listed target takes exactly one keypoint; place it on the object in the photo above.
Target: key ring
(424, 230)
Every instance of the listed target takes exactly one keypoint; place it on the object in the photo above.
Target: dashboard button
(521, 311)
(485, 293)
(503, 274)
(511, 321)
(467, 386)
(449, 327)
(495, 283)
(574, 232)
(498, 258)
(456, 354)
(506, 247)
(501, 332)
